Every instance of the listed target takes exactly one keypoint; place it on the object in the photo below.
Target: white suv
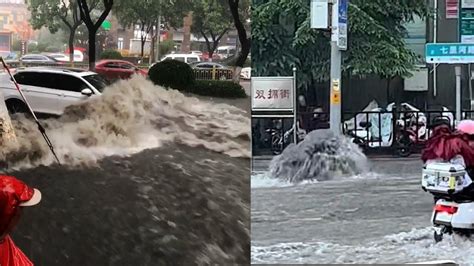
(50, 90)
(187, 58)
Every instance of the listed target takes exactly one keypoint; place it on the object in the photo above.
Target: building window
(416, 38)
(120, 44)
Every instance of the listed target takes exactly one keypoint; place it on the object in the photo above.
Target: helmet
(466, 126)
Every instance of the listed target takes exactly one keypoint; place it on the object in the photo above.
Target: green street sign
(449, 53)
(106, 25)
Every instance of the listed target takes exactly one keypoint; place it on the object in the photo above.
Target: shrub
(172, 73)
(218, 88)
(111, 54)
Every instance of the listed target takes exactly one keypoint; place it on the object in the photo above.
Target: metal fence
(213, 74)
(270, 135)
(396, 132)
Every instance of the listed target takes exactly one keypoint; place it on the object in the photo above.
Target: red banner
(452, 8)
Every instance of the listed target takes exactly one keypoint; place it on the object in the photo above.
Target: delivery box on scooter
(443, 178)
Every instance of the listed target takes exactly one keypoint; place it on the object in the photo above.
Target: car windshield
(98, 82)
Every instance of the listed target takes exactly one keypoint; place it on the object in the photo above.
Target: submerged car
(118, 69)
(50, 90)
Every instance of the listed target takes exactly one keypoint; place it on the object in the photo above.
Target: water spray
(40, 127)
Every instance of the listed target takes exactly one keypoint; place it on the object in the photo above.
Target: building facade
(14, 17)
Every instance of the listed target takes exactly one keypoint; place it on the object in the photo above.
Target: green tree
(211, 20)
(143, 13)
(240, 11)
(147, 13)
(86, 10)
(282, 38)
(56, 14)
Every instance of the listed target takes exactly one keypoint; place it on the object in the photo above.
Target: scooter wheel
(438, 237)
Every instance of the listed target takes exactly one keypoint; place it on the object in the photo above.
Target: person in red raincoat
(455, 147)
(14, 195)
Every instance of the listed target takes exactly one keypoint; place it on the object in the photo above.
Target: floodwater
(148, 177)
(381, 216)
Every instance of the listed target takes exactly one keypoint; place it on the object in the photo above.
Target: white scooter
(453, 211)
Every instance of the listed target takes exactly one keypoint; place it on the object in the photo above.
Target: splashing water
(128, 117)
(320, 156)
(406, 247)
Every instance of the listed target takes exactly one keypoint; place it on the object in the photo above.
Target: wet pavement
(159, 207)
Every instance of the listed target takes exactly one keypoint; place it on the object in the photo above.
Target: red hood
(12, 193)
(445, 144)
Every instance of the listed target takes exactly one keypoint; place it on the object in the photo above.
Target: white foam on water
(130, 116)
(416, 245)
(265, 180)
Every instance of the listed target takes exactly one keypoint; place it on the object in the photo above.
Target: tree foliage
(282, 38)
(55, 15)
(211, 20)
(146, 14)
(86, 9)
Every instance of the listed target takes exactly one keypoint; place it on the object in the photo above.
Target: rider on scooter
(455, 147)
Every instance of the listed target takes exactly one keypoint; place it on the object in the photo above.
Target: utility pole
(332, 15)
(335, 101)
(458, 73)
(338, 43)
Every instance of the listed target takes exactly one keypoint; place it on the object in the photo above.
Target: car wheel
(15, 107)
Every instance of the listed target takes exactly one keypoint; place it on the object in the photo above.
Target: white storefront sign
(273, 94)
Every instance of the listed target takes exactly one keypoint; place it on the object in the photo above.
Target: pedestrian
(14, 196)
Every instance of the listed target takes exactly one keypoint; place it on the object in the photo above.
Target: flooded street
(148, 176)
(378, 217)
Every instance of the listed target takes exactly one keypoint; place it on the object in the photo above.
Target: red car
(118, 69)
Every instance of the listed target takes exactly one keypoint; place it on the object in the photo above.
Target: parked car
(208, 65)
(50, 90)
(39, 59)
(198, 53)
(78, 56)
(187, 58)
(60, 57)
(118, 69)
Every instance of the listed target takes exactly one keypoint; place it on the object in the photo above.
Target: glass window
(192, 59)
(112, 65)
(68, 83)
(181, 59)
(98, 82)
(45, 80)
(127, 66)
(24, 78)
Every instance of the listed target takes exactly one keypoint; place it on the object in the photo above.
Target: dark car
(39, 59)
(118, 69)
